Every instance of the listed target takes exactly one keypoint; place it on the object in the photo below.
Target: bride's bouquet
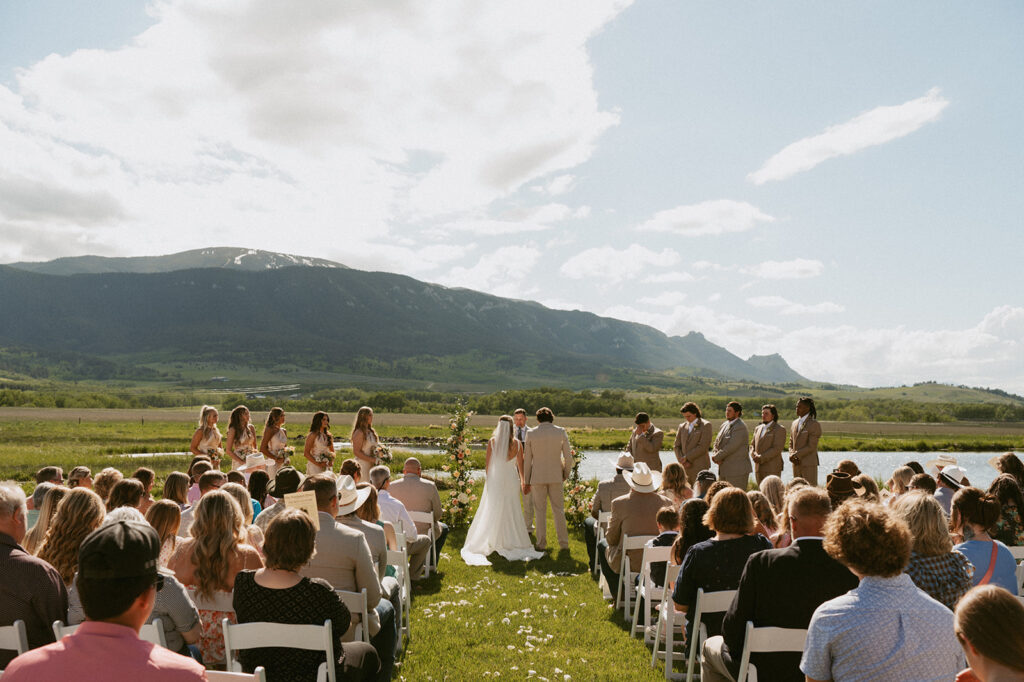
(383, 454)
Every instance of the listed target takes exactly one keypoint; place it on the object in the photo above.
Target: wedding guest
(279, 594)
(989, 622)
(394, 511)
(916, 466)
(715, 488)
(208, 482)
(241, 437)
(118, 583)
(207, 437)
(1009, 463)
(287, 481)
(165, 517)
(36, 499)
(419, 495)
(841, 487)
(350, 467)
(767, 445)
(934, 566)
(50, 474)
(36, 535)
(673, 484)
(274, 441)
(1009, 530)
(693, 440)
(147, 477)
(80, 476)
(773, 489)
(235, 476)
(520, 431)
(364, 442)
(176, 489)
(105, 482)
(691, 530)
(668, 532)
(607, 491)
(24, 574)
(848, 466)
(784, 537)
(369, 511)
(645, 442)
(973, 514)
(79, 513)
(319, 447)
(765, 523)
(885, 628)
(127, 492)
(258, 482)
(951, 479)
(779, 588)
(870, 487)
(729, 450)
(704, 481)
(899, 484)
(717, 564)
(803, 441)
(195, 472)
(923, 483)
(208, 561)
(252, 534)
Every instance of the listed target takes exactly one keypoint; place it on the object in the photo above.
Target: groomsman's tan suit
(731, 453)
(692, 447)
(769, 442)
(547, 464)
(803, 448)
(646, 447)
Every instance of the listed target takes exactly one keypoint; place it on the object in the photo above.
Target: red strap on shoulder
(991, 565)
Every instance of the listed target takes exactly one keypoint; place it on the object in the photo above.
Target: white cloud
(611, 265)
(560, 185)
(669, 278)
(708, 217)
(787, 307)
(874, 127)
(798, 268)
(667, 299)
(500, 272)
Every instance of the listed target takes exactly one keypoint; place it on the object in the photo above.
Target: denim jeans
(386, 639)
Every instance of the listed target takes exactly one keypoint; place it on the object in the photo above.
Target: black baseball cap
(707, 475)
(126, 549)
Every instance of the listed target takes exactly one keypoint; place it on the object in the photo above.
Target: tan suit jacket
(633, 514)
(731, 453)
(803, 446)
(419, 496)
(769, 442)
(647, 447)
(548, 458)
(693, 447)
(375, 538)
(606, 492)
(343, 559)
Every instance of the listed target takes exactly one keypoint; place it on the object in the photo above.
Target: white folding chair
(14, 637)
(400, 560)
(602, 524)
(428, 518)
(258, 675)
(150, 632)
(259, 635)
(626, 577)
(646, 590)
(767, 640)
(707, 602)
(669, 622)
(356, 604)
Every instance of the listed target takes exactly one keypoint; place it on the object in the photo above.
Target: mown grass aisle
(542, 620)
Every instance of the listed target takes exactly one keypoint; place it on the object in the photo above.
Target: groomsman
(645, 442)
(730, 449)
(769, 442)
(803, 442)
(693, 438)
(519, 423)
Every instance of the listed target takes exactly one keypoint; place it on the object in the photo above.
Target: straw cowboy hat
(642, 479)
(943, 460)
(625, 461)
(350, 498)
(253, 462)
(953, 476)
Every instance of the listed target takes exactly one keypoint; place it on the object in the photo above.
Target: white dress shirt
(394, 511)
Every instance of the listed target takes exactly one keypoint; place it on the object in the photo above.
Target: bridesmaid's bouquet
(284, 454)
(214, 453)
(383, 454)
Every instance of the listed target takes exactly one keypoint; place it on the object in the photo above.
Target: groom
(546, 465)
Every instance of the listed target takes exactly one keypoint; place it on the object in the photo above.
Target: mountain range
(268, 309)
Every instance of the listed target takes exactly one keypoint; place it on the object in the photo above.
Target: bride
(499, 525)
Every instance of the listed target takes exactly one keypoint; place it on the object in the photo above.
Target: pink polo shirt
(103, 652)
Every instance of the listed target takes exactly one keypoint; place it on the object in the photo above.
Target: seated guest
(1009, 530)
(394, 511)
(79, 513)
(369, 511)
(80, 477)
(253, 534)
(848, 466)
(350, 467)
(35, 501)
(420, 496)
(343, 559)
(208, 562)
(668, 531)
(236, 476)
(165, 517)
(674, 485)
(127, 492)
(784, 536)
(147, 477)
(50, 474)
(915, 466)
(923, 483)
(717, 564)
(176, 489)
(989, 622)
(973, 515)
(200, 465)
(351, 498)
(37, 533)
(704, 480)
(1009, 463)
(286, 481)
(258, 482)
(208, 482)
(780, 588)
(841, 487)
(765, 519)
(715, 488)
(885, 628)
(898, 484)
(935, 566)
(870, 487)
(633, 514)
(278, 594)
(105, 482)
(30, 589)
(118, 583)
(607, 490)
(691, 531)
(774, 491)
(947, 482)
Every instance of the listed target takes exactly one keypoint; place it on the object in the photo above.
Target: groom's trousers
(542, 494)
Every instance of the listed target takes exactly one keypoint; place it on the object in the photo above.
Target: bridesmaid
(275, 440)
(364, 442)
(206, 440)
(319, 450)
(241, 437)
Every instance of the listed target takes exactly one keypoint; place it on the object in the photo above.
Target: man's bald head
(412, 466)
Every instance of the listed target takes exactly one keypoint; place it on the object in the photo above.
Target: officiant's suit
(547, 463)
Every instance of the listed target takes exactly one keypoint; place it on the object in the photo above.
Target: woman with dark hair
(691, 529)
(972, 515)
(350, 467)
(1009, 463)
(364, 442)
(207, 438)
(147, 477)
(258, 482)
(319, 449)
(274, 442)
(1009, 530)
(241, 440)
(278, 594)
(989, 622)
(765, 519)
(126, 493)
(195, 471)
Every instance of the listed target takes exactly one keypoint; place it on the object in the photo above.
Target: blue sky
(837, 182)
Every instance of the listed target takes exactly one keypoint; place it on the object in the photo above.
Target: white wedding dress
(499, 525)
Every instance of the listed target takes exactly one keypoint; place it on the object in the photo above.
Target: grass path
(542, 620)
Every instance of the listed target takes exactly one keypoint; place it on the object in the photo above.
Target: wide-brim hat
(253, 462)
(939, 462)
(953, 476)
(350, 497)
(840, 485)
(642, 479)
(625, 462)
(287, 481)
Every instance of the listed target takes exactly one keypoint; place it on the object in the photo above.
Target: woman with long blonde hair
(364, 442)
(78, 514)
(251, 534)
(319, 449)
(209, 561)
(165, 517)
(207, 438)
(34, 539)
(773, 489)
(899, 484)
(674, 485)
